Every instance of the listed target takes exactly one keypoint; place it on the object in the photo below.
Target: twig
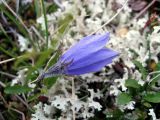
(39, 36)
(7, 74)
(15, 15)
(3, 18)
(2, 98)
(6, 104)
(37, 33)
(111, 18)
(25, 103)
(23, 116)
(22, 23)
(1, 116)
(154, 72)
(57, 2)
(147, 7)
(17, 6)
(9, 60)
(157, 89)
(19, 98)
(73, 98)
(154, 78)
(2, 84)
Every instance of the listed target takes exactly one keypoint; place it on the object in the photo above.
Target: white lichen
(152, 114)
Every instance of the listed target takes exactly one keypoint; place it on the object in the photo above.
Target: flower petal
(101, 55)
(91, 68)
(85, 46)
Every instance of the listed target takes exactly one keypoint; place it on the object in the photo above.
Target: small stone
(122, 32)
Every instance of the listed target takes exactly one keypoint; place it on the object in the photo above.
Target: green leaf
(49, 82)
(2, 30)
(134, 52)
(45, 21)
(123, 99)
(33, 97)
(158, 66)
(37, 8)
(40, 60)
(6, 52)
(152, 97)
(43, 57)
(24, 59)
(17, 89)
(116, 114)
(146, 104)
(140, 113)
(142, 70)
(156, 76)
(55, 58)
(64, 23)
(52, 8)
(132, 83)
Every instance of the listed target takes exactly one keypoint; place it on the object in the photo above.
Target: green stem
(45, 20)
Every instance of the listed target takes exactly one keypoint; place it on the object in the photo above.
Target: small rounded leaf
(16, 89)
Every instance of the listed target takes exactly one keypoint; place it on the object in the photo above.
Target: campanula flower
(88, 55)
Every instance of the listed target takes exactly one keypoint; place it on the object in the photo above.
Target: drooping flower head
(88, 55)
